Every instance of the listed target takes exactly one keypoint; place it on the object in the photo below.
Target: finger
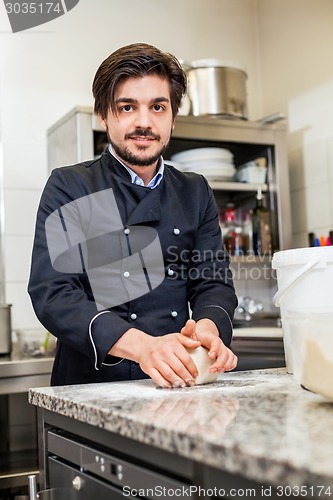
(233, 360)
(175, 372)
(187, 369)
(215, 347)
(189, 329)
(225, 362)
(156, 376)
(188, 342)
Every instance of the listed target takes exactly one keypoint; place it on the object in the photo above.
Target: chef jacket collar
(136, 179)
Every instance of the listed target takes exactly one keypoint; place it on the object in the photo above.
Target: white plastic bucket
(305, 281)
(316, 364)
(311, 349)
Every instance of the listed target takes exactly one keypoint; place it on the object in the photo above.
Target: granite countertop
(260, 424)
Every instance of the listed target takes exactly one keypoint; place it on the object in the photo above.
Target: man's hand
(167, 362)
(207, 333)
(164, 358)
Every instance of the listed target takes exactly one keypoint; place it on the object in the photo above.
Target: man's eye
(127, 107)
(158, 107)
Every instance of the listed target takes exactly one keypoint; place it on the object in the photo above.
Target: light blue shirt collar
(136, 179)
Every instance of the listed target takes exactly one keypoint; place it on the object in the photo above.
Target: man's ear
(101, 121)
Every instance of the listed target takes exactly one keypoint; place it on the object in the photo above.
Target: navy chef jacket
(196, 273)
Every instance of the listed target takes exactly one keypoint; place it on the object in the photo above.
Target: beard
(132, 159)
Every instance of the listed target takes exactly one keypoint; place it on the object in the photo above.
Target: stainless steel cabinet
(247, 140)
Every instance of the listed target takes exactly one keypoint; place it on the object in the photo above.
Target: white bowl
(203, 154)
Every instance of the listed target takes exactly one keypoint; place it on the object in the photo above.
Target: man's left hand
(207, 333)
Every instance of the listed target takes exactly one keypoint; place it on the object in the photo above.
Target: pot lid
(217, 63)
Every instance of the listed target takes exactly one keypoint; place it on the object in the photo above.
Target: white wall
(48, 70)
(296, 41)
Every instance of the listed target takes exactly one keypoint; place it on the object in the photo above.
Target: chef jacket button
(171, 272)
(127, 231)
(176, 231)
(174, 314)
(126, 274)
(133, 316)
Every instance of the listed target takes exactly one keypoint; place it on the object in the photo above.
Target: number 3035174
(33, 8)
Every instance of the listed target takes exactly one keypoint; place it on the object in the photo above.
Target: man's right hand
(164, 359)
(167, 362)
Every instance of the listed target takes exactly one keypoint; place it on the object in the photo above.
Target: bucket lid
(302, 256)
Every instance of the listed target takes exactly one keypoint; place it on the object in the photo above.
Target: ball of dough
(203, 362)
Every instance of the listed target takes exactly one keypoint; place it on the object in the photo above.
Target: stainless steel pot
(217, 89)
(5, 329)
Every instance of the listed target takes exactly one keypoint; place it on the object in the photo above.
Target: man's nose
(143, 119)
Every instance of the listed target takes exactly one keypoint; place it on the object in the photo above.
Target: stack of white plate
(214, 163)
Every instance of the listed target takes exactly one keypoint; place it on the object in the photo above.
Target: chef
(126, 246)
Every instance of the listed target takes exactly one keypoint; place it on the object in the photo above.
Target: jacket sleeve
(63, 300)
(211, 291)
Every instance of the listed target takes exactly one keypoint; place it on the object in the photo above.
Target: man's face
(141, 128)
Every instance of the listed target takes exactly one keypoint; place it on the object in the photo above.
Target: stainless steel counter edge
(25, 367)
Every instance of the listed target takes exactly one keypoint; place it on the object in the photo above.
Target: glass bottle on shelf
(228, 224)
(239, 247)
(248, 234)
(261, 227)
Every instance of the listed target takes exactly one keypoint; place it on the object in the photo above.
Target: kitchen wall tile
(318, 206)
(330, 157)
(26, 165)
(20, 211)
(316, 163)
(296, 169)
(331, 204)
(23, 315)
(300, 240)
(17, 256)
(298, 210)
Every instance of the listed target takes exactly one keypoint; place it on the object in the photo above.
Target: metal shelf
(237, 186)
(16, 466)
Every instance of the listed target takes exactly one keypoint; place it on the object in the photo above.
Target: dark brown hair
(136, 60)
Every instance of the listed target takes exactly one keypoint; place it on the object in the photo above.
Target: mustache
(143, 132)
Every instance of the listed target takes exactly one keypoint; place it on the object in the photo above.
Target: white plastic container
(251, 173)
(317, 355)
(312, 349)
(35, 343)
(305, 281)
